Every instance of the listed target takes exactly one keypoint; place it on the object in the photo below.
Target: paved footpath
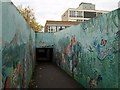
(48, 75)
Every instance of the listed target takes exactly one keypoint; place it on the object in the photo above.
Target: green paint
(0, 44)
(18, 48)
(89, 52)
(95, 51)
(45, 40)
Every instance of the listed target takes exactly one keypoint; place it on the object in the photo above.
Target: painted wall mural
(44, 40)
(18, 48)
(0, 45)
(89, 52)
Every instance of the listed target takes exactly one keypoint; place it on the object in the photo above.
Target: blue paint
(89, 52)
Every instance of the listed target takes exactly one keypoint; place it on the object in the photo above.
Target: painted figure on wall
(94, 82)
(7, 83)
(24, 74)
(13, 80)
(118, 36)
(63, 63)
(103, 50)
(71, 52)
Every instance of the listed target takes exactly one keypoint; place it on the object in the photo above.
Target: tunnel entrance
(44, 54)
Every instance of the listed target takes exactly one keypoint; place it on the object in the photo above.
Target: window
(72, 13)
(48, 28)
(79, 20)
(51, 28)
(79, 14)
(54, 28)
(89, 14)
(57, 28)
(99, 13)
(60, 28)
(63, 27)
(75, 14)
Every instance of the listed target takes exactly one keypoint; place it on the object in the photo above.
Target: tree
(28, 14)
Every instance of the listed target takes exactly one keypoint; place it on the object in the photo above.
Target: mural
(18, 49)
(0, 45)
(89, 51)
(44, 40)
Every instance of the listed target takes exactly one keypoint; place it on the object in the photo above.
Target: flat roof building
(84, 12)
(73, 16)
(55, 26)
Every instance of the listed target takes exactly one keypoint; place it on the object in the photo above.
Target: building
(84, 12)
(55, 26)
(74, 16)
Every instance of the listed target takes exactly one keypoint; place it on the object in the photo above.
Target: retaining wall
(44, 40)
(0, 45)
(18, 48)
(89, 52)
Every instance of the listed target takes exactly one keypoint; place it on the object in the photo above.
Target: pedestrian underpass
(88, 53)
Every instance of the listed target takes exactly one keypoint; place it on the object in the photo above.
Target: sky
(53, 9)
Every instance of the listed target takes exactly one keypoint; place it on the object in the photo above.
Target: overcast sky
(53, 9)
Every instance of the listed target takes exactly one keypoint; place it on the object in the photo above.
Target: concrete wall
(89, 52)
(44, 40)
(0, 45)
(18, 48)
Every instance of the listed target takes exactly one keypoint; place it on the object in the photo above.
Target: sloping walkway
(48, 75)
